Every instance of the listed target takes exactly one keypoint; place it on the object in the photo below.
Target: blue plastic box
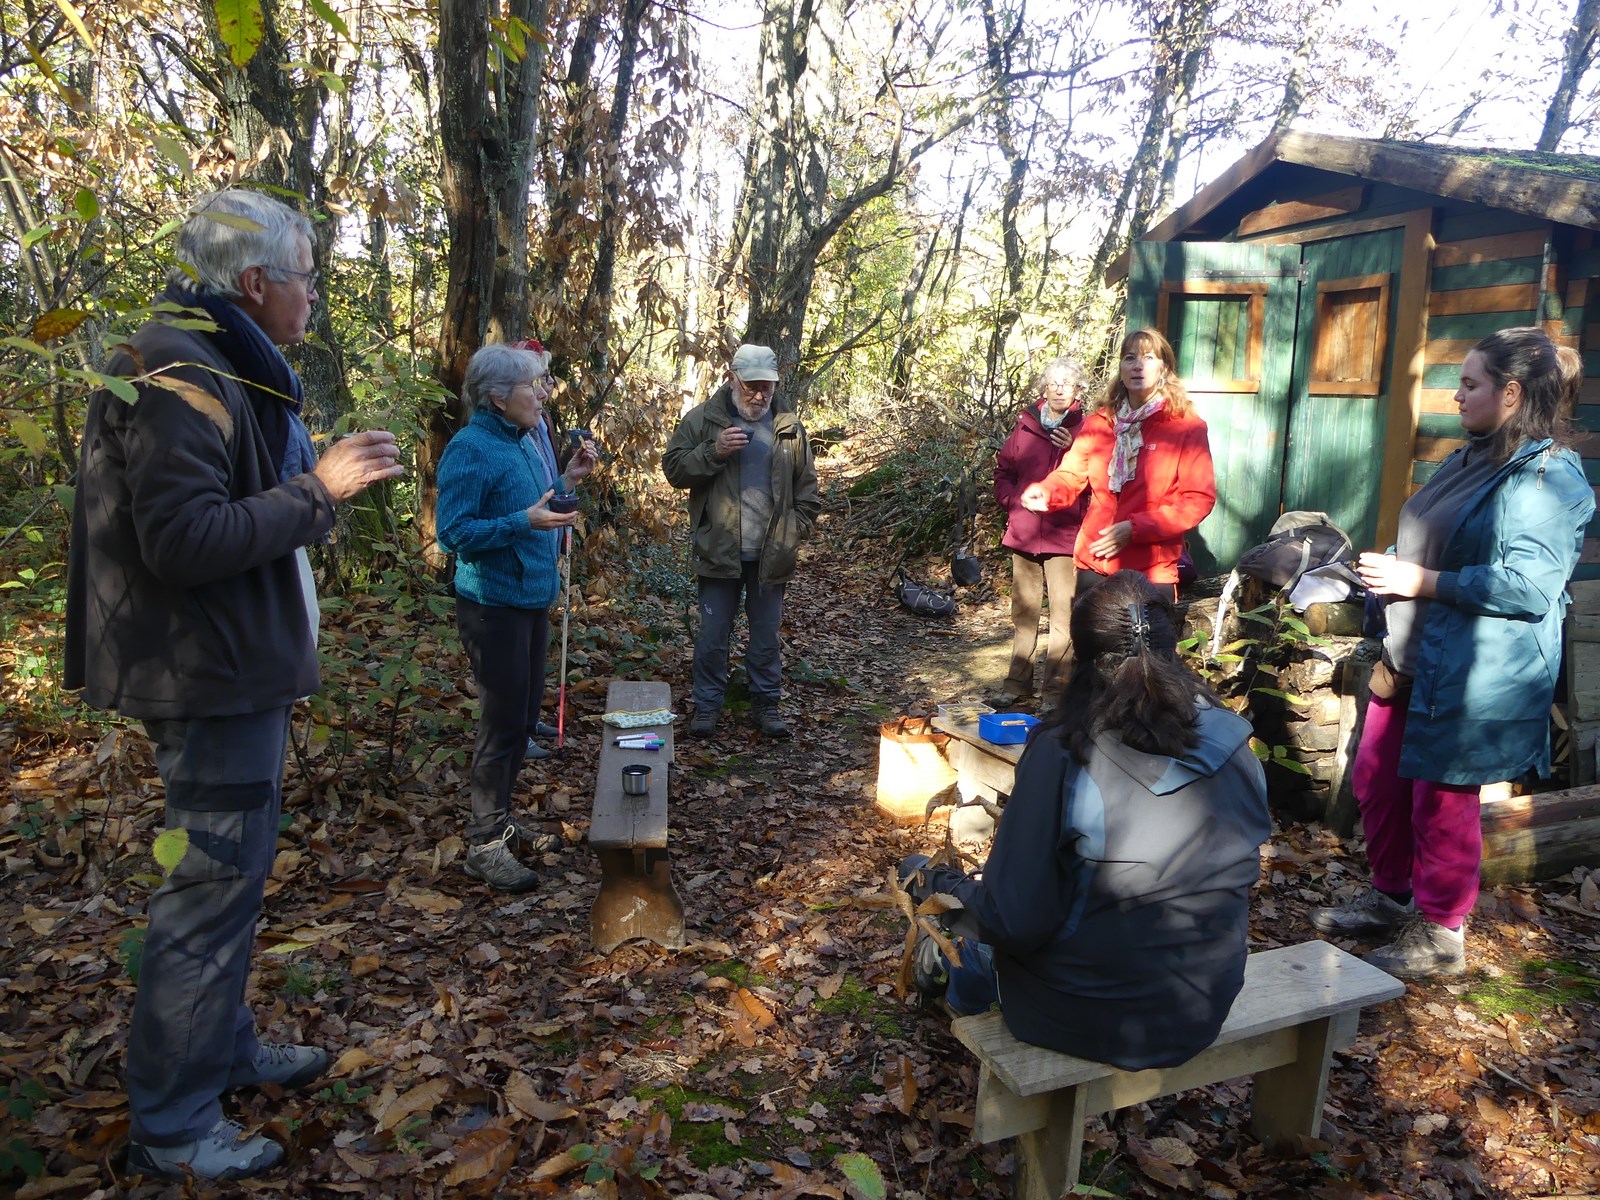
(1005, 729)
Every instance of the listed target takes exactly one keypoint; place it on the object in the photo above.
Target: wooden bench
(1298, 1005)
(983, 768)
(629, 833)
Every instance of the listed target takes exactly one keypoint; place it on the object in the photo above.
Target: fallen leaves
(390, 1110)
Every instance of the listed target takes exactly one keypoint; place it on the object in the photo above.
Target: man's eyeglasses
(311, 277)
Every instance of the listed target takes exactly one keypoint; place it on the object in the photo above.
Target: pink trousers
(1423, 837)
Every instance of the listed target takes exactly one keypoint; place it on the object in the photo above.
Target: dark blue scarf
(271, 385)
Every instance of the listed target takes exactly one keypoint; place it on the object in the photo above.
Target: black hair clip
(1138, 627)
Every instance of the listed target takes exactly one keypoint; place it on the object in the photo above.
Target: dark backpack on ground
(921, 599)
(1298, 542)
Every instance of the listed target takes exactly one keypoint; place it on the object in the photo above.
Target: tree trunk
(265, 117)
(463, 121)
(597, 305)
(1583, 41)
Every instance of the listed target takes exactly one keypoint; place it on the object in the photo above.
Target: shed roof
(1555, 187)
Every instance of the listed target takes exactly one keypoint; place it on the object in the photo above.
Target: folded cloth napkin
(623, 719)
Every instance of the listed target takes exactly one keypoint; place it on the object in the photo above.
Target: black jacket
(1116, 897)
(183, 595)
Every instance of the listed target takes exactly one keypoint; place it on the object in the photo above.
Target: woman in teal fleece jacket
(1476, 592)
(495, 481)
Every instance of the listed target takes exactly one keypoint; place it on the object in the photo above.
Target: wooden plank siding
(1478, 285)
(1582, 316)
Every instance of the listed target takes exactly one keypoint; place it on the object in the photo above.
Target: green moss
(1543, 986)
(703, 1141)
(874, 481)
(738, 973)
(882, 1016)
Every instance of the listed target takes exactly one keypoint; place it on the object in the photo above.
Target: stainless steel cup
(635, 780)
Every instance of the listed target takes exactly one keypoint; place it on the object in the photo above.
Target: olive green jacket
(691, 462)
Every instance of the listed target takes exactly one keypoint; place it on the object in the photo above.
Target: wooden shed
(1321, 294)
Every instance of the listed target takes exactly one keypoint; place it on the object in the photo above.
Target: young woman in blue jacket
(1476, 591)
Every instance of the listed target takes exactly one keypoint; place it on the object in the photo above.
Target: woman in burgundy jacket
(1041, 543)
(1144, 459)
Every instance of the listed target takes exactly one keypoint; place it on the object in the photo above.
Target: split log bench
(1298, 1005)
(629, 833)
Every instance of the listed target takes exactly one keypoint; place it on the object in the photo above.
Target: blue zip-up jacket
(1116, 897)
(489, 476)
(1490, 648)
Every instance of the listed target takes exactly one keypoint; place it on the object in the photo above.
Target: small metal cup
(635, 780)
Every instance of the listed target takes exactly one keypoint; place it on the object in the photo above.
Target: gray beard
(749, 412)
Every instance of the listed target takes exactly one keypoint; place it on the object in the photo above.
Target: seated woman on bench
(1111, 915)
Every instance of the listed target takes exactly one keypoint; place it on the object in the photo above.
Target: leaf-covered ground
(485, 1047)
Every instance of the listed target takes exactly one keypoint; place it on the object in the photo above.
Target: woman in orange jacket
(1144, 456)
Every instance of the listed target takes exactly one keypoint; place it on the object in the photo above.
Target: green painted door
(1229, 311)
(1339, 391)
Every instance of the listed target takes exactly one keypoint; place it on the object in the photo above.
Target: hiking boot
(534, 751)
(222, 1152)
(544, 729)
(1423, 949)
(1009, 694)
(1369, 912)
(494, 863)
(704, 723)
(286, 1065)
(771, 723)
(532, 839)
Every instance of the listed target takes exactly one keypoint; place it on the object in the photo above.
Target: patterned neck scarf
(1130, 439)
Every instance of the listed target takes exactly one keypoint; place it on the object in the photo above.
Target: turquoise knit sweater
(489, 477)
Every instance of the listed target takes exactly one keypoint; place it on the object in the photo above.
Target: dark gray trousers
(507, 647)
(191, 1028)
(763, 660)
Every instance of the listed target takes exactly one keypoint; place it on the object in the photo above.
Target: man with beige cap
(752, 501)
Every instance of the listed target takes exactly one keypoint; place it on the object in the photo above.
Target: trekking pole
(566, 610)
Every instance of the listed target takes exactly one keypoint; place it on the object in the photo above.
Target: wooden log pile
(1308, 741)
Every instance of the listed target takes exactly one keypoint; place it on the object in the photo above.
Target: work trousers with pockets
(1032, 577)
(507, 648)
(763, 660)
(1422, 837)
(191, 1029)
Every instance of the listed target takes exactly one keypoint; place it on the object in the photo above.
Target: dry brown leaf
(421, 1098)
(365, 964)
(1171, 1150)
(50, 1185)
(483, 1156)
(352, 1059)
(1589, 894)
(900, 1084)
(1153, 1165)
(96, 1100)
(197, 398)
(557, 1166)
(829, 987)
(522, 1096)
(757, 1013)
(1491, 1112)
(808, 1187)
(366, 1168)
(436, 903)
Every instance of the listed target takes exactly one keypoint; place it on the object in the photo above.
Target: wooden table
(629, 833)
(983, 768)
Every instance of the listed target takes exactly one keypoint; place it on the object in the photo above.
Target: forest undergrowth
(483, 1047)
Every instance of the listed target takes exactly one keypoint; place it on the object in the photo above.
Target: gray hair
(496, 370)
(230, 231)
(1074, 374)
